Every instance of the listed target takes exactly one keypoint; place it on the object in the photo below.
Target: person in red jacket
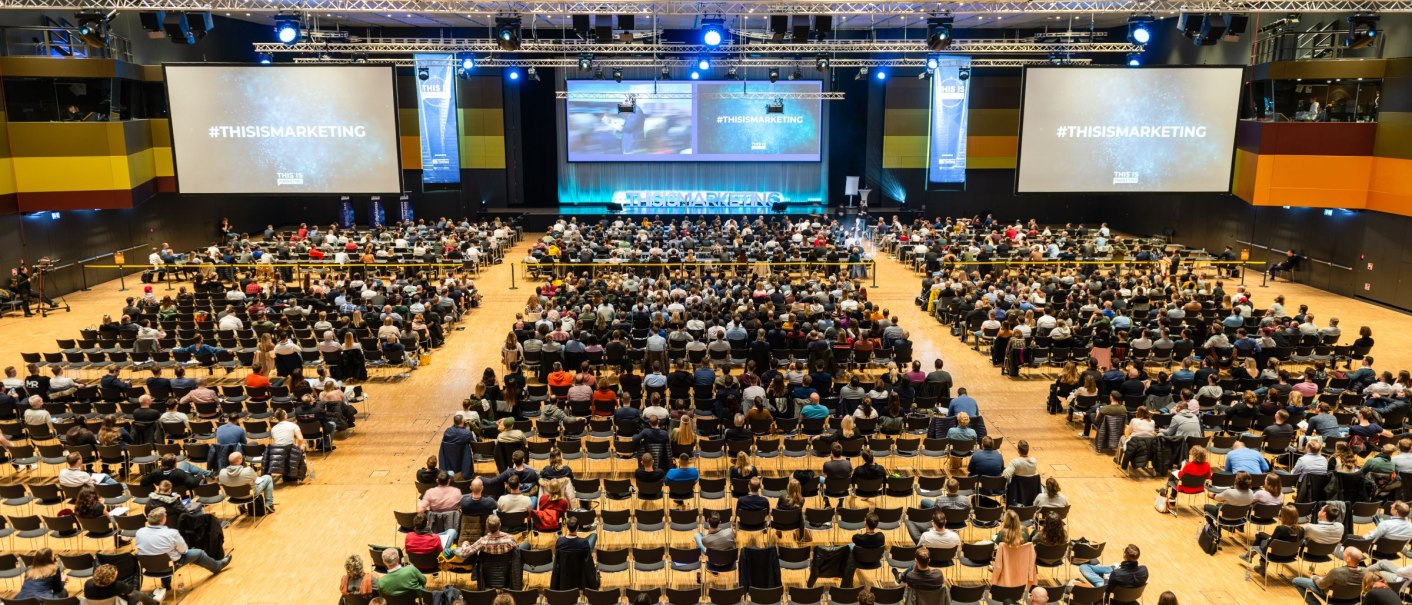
(551, 508)
(1196, 466)
(421, 541)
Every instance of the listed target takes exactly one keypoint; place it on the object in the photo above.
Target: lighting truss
(684, 64)
(989, 46)
(734, 96)
(728, 8)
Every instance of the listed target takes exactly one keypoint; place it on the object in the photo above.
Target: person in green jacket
(400, 579)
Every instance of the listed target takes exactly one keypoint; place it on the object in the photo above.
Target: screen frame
(671, 159)
(396, 128)
(1020, 132)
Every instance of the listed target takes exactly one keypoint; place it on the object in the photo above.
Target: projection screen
(284, 129)
(1123, 129)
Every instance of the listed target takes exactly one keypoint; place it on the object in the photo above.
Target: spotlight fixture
(862, 73)
(585, 62)
(265, 59)
(1134, 59)
(666, 74)
(931, 63)
(713, 31)
(776, 106)
(507, 33)
(695, 75)
(628, 105)
(774, 75)
(1139, 29)
(533, 74)
(796, 74)
(513, 73)
(617, 74)
(703, 64)
(288, 29)
(598, 74)
(1362, 30)
(939, 32)
(821, 63)
(963, 74)
(922, 75)
(92, 28)
(423, 73)
(468, 62)
(731, 74)
(881, 74)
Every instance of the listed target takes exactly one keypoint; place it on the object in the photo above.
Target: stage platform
(602, 209)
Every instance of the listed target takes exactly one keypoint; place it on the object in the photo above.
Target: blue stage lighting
(287, 33)
(713, 32)
(513, 73)
(1141, 34)
(931, 63)
(703, 65)
(265, 60)
(695, 75)
(1134, 59)
(881, 74)
(468, 63)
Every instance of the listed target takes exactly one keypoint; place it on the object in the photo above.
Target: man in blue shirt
(963, 403)
(986, 462)
(814, 409)
(230, 433)
(625, 412)
(1245, 459)
(703, 379)
(1234, 320)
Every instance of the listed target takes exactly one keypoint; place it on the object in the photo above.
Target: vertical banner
(404, 209)
(950, 101)
(436, 111)
(376, 216)
(345, 212)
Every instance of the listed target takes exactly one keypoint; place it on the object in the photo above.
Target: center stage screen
(699, 122)
(1121, 129)
(268, 129)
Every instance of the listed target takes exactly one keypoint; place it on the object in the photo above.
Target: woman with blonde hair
(356, 580)
(1014, 557)
(511, 352)
(44, 578)
(265, 351)
(684, 437)
(742, 470)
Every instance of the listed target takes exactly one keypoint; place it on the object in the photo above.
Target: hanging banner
(436, 110)
(950, 101)
(404, 210)
(345, 212)
(377, 217)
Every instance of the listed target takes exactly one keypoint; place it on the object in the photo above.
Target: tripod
(46, 305)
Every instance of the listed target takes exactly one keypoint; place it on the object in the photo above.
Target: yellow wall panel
(162, 161)
(411, 153)
(992, 147)
(80, 173)
(483, 152)
(141, 168)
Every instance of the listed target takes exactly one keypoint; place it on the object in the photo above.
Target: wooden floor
(295, 556)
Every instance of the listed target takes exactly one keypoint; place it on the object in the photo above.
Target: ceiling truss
(452, 45)
(687, 64)
(731, 8)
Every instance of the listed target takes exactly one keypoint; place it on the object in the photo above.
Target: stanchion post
(83, 274)
(512, 276)
(875, 273)
(1243, 268)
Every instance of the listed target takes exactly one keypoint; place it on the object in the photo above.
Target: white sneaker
(159, 594)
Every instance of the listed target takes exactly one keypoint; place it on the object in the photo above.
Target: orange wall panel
(1390, 186)
(1313, 180)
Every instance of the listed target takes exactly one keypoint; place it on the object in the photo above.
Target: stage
(606, 209)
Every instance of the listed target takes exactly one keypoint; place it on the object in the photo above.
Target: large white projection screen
(1123, 129)
(268, 129)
